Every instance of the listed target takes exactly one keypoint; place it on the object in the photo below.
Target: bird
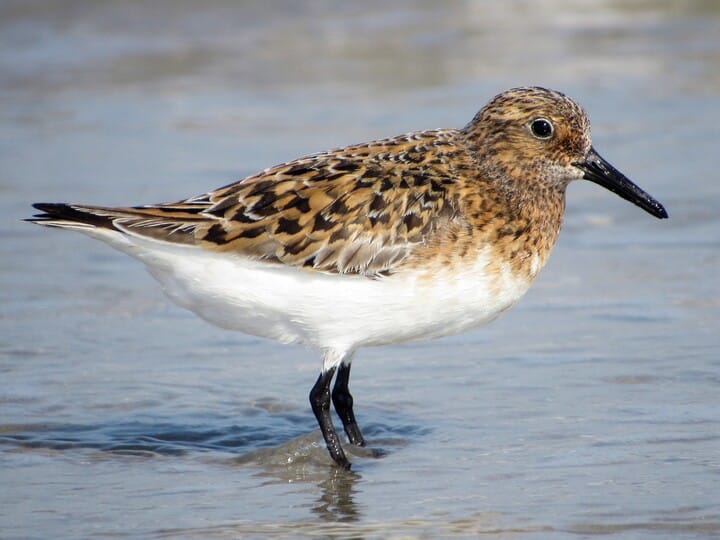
(413, 237)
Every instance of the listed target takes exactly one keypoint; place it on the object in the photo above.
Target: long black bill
(601, 172)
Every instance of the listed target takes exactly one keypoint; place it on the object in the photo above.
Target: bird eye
(541, 128)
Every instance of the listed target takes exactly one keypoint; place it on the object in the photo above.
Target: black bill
(601, 172)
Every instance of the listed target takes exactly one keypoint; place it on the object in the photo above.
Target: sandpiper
(417, 236)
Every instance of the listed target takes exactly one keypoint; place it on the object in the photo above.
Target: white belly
(327, 311)
(331, 311)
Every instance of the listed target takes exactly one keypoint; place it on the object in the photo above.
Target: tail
(70, 216)
(174, 223)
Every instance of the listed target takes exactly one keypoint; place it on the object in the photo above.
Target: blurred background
(591, 407)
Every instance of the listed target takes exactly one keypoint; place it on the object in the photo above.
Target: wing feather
(362, 209)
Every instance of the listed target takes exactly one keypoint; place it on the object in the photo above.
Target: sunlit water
(592, 407)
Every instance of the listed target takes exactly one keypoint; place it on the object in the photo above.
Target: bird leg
(343, 402)
(320, 403)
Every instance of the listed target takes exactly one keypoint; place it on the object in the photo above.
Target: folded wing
(357, 210)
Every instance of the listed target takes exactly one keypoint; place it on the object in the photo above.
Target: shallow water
(590, 408)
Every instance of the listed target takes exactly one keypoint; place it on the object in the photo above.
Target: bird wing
(359, 210)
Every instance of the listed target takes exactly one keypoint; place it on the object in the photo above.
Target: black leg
(320, 403)
(343, 402)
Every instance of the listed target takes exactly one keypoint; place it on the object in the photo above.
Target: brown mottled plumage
(417, 236)
(371, 208)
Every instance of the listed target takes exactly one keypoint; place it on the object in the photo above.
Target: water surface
(590, 408)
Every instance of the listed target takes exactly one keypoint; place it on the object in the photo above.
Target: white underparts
(332, 312)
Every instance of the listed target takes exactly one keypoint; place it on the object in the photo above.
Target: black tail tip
(51, 211)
